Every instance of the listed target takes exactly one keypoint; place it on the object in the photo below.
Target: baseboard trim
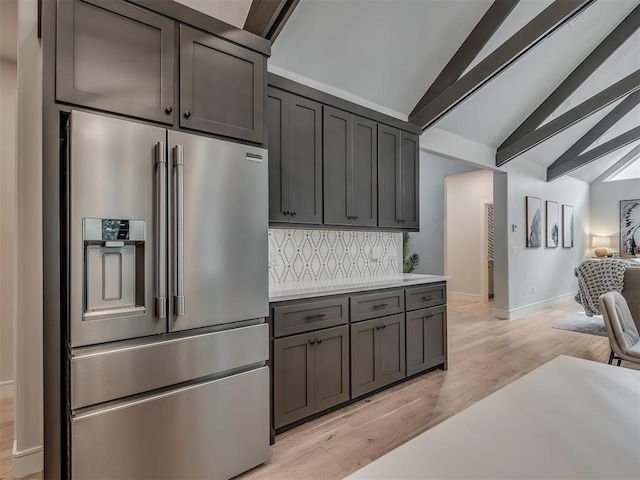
(521, 311)
(6, 389)
(27, 462)
(464, 296)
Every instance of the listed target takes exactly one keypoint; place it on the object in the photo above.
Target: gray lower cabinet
(377, 353)
(350, 169)
(294, 129)
(426, 339)
(311, 373)
(117, 57)
(221, 86)
(398, 177)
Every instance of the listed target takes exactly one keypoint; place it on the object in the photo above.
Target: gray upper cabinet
(398, 177)
(409, 180)
(221, 86)
(116, 57)
(350, 169)
(294, 126)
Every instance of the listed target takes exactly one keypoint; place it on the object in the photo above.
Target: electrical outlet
(514, 249)
(534, 290)
(274, 258)
(376, 254)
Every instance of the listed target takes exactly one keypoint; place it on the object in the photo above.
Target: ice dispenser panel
(114, 267)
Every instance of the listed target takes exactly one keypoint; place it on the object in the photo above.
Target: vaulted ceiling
(386, 54)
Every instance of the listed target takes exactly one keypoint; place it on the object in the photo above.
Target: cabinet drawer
(426, 296)
(305, 317)
(364, 307)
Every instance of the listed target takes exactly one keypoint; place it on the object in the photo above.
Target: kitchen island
(570, 418)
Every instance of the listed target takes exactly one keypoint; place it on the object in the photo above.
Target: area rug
(579, 322)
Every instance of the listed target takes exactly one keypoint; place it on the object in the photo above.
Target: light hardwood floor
(485, 354)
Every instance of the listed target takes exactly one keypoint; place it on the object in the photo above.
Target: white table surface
(568, 419)
(281, 292)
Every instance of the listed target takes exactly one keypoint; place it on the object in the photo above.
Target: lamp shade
(600, 242)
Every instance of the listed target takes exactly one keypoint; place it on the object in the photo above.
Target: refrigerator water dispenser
(114, 268)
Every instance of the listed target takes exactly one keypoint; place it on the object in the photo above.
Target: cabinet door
(417, 342)
(426, 340)
(409, 181)
(364, 366)
(331, 367)
(437, 336)
(391, 355)
(337, 130)
(304, 165)
(293, 379)
(277, 118)
(364, 176)
(116, 57)
(221, 86)
(388, 177)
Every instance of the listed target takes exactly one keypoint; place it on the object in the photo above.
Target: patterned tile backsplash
(303, 255)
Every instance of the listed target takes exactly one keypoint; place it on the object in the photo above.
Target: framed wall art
(534, 222)
(567, 226)
(553, 224)
(629, 227)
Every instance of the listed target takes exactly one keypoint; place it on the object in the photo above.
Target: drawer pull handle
(427, 299)
(381, 305)
(313, 317)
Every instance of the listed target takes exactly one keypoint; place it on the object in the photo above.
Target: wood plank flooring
(485, 354)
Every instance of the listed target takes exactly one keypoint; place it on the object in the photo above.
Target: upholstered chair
(631, 293)
(621, 329)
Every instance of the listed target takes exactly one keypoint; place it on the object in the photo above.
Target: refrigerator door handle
(161, 230)
(178, 215)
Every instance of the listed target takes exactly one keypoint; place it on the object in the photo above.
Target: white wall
(466, 195)
(549, 270)
(28, 427)
(429, 242)
(8, 221)
(605, 207)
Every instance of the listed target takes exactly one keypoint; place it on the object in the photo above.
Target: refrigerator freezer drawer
(101, 376)
(213, 430)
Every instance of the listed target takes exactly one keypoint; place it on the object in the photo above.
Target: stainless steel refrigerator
(167, 340)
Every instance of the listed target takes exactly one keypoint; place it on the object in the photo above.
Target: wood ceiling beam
(599, 129)
(574, 163)
(468, 51)
(267, 18)
(594, 60)
(544, 24)
(618, 90)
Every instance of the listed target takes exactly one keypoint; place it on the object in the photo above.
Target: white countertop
(281, 292)
(570, 418)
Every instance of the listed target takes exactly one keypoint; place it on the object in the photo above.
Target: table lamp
(601, 245)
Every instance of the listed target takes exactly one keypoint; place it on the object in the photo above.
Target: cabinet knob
(293, 214)
(168, 110)
(285, 212)
(319, 340)
(187, 114)
(311, 342)
(378, 327)
(355, 218)
(384, 326)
